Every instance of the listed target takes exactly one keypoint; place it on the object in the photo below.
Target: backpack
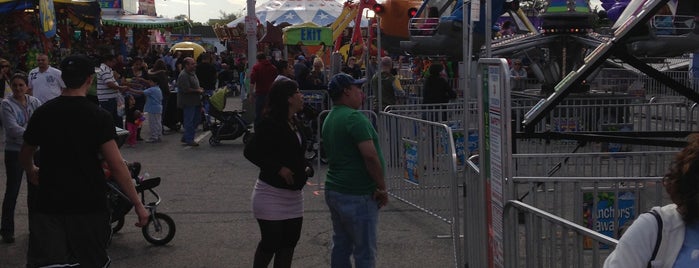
(659, 237)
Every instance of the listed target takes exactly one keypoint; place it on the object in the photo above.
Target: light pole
(189, 17)
(370, 14)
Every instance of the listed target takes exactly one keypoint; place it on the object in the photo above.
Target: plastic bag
(120, 105)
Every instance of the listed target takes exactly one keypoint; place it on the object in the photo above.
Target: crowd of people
(108, 91)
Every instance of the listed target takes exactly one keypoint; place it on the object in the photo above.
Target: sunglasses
(4, 66)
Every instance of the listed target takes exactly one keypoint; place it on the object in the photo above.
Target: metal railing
(420, 169)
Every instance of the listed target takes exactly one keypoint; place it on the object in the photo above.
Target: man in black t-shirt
(69, 217)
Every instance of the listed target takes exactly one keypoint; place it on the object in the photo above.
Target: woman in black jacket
(277, 200)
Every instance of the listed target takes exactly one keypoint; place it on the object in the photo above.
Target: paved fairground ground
(206, 190)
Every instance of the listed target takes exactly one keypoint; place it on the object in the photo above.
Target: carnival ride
(440, 32)
(568, 47)
(394, 14)
(565, 57)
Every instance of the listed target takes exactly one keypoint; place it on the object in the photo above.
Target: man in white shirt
(108, 89)
(45, 82)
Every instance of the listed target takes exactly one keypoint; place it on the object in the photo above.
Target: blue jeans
(13, 172)
(111, 106)
(355, 219)
(192, 118)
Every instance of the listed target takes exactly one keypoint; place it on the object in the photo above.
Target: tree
(184, 17)
(225, 18)
(181, 17)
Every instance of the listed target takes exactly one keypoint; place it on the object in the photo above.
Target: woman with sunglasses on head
(16, 111)
(277, 199)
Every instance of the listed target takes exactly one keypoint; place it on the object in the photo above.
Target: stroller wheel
(213, 141)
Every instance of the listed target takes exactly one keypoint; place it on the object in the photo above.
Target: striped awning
(143, 22)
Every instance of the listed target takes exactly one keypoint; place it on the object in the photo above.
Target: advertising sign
(250, 25)
(608, 221)
(495, 154)
(110, 3)
(410, 155)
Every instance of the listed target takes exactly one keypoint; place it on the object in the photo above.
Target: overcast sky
(203, 10)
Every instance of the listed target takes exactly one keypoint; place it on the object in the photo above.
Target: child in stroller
(227, 125)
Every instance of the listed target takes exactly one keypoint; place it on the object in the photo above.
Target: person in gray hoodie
(16, 111)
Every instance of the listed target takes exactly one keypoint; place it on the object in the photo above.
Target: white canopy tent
(320, 12)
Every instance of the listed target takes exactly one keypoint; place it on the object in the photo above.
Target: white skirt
(271, 203)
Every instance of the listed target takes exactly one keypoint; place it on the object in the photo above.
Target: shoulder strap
(659, 237)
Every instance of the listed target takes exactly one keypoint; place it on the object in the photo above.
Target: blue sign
(609, 221)
(411, 161)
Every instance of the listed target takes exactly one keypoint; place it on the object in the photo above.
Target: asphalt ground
(206, 190)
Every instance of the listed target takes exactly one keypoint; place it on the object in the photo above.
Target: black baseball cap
(77, 65)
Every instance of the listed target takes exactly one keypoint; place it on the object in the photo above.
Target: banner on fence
(609, 220)
(410, 154)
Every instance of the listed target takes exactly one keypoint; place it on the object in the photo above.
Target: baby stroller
(227, 125)
(309, 118)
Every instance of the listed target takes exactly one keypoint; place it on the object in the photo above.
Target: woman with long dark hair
(277, 199)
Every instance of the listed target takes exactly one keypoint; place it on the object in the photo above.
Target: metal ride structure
(394, 15)
(567, 39)
(568, 51)
(635, 37)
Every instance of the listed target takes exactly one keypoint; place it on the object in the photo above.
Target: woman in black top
(277, 200)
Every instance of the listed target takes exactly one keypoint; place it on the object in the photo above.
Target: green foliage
(225, 18)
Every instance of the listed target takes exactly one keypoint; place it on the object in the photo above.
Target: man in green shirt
(354, 187)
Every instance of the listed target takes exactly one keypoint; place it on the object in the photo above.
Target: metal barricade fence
(562, 240)
(421, 169)
(567, 201)
(317, 99)
(612, 115)
(534, 173)
(584, 187)
(441, 112)
(604, 205)
(451, 114)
